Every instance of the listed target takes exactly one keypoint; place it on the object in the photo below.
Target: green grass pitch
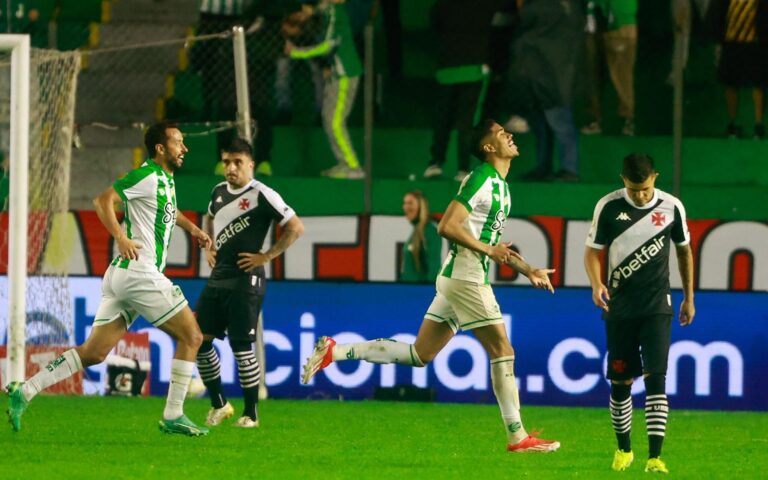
(116, 438)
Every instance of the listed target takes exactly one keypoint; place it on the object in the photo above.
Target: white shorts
(464, 305)
(130, 293)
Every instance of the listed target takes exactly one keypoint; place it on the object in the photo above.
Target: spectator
(741, 29)
(615, 22)
(422, 253)
(546, 57)
(463, 35)
(342, 77)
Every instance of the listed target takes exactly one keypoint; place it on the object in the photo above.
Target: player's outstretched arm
(292, 230)
(187, 224)
(685, 265)
(539, 277)
(105, 210)
(600, 294)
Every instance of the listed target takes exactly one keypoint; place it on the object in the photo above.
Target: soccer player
(636, 223)
(134, 283)
(473, 223)
(240, 213)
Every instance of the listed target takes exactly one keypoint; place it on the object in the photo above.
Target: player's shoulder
(138, 174)
(264, 189)
(219, 188)
(476, 178)
(615, 197)
(668, 197)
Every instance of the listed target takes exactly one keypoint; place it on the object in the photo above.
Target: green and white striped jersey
(485, 194)
(149, 194)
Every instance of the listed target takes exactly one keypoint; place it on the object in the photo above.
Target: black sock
(656, 412)
(210, 372)
(621, 414)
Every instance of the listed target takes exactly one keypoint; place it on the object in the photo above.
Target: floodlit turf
(113, 438)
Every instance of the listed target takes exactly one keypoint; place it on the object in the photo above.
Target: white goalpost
(17, 226)
(37, 102)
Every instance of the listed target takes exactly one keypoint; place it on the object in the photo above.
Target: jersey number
(170, 213)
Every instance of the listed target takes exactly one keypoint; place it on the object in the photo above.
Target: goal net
(49, 324)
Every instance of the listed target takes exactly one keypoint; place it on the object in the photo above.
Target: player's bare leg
(496, 343)
(94, 350)
(432, 337)
(184, 329)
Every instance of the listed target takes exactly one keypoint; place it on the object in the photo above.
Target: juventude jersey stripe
(160, 224)
(124, 262)
(448, 270)
(488, 234)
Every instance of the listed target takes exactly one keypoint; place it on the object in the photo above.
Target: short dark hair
(157, 134)
(479, 132)
(638, 167)
(238, 145)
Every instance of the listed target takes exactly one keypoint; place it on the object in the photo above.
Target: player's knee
(205, 347)
(193, 337)
(422, 359)
(90, 356)
(240, 346)
(499, 348)
(655, 383)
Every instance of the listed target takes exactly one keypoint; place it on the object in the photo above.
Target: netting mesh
(53, 81)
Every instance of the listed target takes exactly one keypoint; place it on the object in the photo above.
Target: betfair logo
(645, 255)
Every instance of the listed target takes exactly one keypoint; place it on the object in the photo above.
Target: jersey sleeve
(598, 231)
(680, 234)
(467, 195)
(135, 184)
(280, 211)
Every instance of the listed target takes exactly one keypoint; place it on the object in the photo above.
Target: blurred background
(147, 60)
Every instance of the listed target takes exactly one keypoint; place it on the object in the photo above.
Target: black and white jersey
(638, 241)
(241, 220)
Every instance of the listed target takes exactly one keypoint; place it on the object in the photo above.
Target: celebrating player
(240, 213)
(473, 222)
(636, 223)
(134, 283)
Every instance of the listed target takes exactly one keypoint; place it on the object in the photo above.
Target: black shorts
(230, 312)
(637, 346)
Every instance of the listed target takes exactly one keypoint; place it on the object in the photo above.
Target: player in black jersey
(637, 224)
(240, 214)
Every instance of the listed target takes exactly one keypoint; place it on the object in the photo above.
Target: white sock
(62, 368)
(181, 374)
(505, 389)
(381, 350)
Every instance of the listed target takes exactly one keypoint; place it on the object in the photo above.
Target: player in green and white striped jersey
(473, 223)
(134, 284)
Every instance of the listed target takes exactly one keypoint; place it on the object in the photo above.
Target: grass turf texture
(115, 438)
